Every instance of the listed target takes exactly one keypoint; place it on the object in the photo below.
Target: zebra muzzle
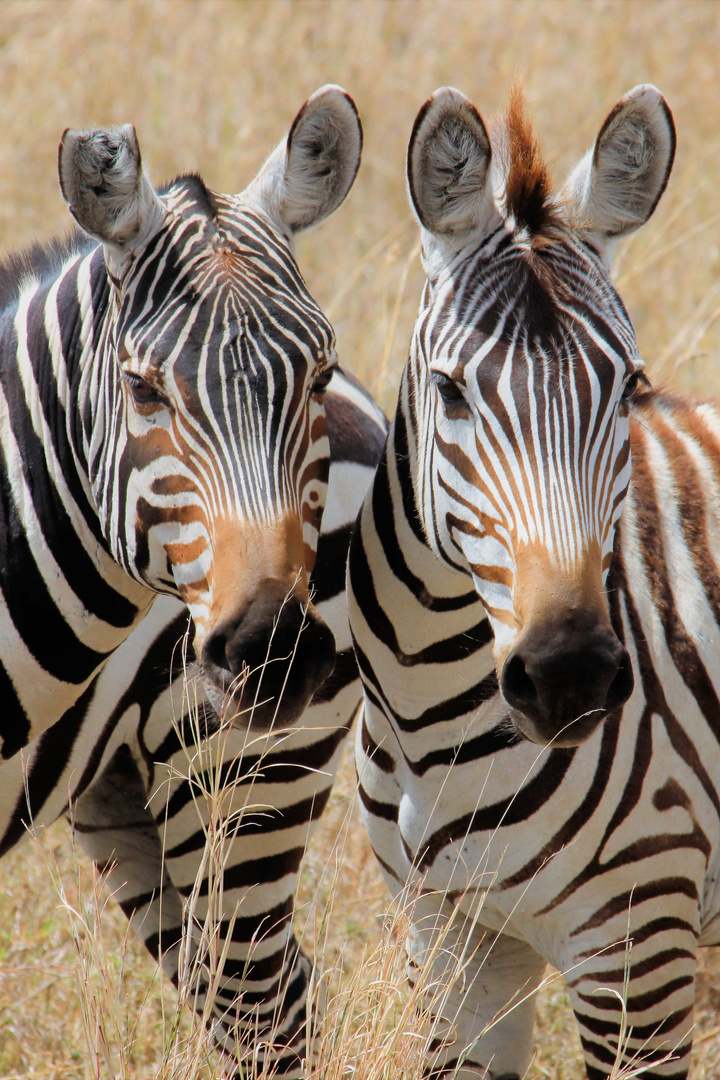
(261, 666)
(562, 681)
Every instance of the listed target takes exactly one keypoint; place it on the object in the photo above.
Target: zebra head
(202, 411)
(522, 369)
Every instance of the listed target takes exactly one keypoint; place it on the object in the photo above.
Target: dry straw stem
(199, 82)
(374, 1027)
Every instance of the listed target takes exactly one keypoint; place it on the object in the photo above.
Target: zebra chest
(454, 851)
(65, 606)
(46, 662)
(529, 842)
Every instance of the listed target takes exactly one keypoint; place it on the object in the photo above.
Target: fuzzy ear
(448, 168)
(102, 181)
(310, 173)
(618, 184)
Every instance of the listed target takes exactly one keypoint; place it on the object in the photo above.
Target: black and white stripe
(530, 803)
(164, 465)
(162, 424)
(120, 757)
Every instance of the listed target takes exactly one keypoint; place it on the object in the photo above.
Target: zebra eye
(140, 388)
(633, 384)
(322, 380)
(448, 389)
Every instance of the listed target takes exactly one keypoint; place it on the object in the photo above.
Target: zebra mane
(525, 181)
(526, 174)
(40, 260)
(196, 190)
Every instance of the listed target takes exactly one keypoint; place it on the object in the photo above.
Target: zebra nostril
(214, 652)
(516, 685)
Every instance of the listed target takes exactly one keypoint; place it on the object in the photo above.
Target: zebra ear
(102, 181)
(618, 184)
(310, 173)
(448, 169)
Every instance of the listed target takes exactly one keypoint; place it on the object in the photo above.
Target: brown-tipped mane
(528, 183)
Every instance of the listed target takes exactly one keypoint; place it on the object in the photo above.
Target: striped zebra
(162, 425)
(117, 766)
(165, 463)
(539, 757)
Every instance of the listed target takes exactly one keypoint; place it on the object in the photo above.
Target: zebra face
(226, 452)
(522, 369)
(208, 454)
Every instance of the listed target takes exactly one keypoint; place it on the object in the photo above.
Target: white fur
(310, 173)
(617, 185)
(103, 183)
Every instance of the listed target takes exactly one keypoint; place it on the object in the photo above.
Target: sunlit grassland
(211, 87)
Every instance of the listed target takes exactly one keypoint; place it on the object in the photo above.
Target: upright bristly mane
(44, 259)
(40, 261)
(528, 185)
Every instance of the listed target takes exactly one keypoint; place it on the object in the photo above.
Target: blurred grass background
(211, 86)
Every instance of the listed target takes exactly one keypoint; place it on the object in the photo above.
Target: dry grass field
(211, 86)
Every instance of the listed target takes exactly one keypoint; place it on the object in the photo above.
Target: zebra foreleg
(478, 988)
(647, 1017)
(234, 828)
(242, 971)
(117, 831)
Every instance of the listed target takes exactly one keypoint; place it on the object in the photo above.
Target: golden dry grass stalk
(211, 86)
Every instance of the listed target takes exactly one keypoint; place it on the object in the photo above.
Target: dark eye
(322, 379)
(447, 388)
(633, 384)
(140, 388)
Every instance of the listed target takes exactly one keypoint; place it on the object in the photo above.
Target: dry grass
(211, 86)
(76, 979)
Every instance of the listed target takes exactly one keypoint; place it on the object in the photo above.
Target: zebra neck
(63, 598)
(93, 405)
(435, 585)
(48, 348)
(410, 612)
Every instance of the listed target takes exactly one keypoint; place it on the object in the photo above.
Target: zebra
(118, 769)
(161, 415)
(536, 619)
(165, 465)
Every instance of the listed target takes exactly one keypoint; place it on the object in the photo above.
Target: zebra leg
(235, 812)
(222, 835)
(117, 831)
(640, 1009)
(216, 822)
(478, 987)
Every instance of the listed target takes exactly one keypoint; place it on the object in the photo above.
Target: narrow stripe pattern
(528, 479)
(164, 469)
(106, 504)
(117, 766)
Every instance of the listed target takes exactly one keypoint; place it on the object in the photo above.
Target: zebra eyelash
(633, 383)
(322, 380)
(143, 392)
(449, 391)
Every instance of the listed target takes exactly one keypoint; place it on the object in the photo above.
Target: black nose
(562, 680)
(268, 661)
